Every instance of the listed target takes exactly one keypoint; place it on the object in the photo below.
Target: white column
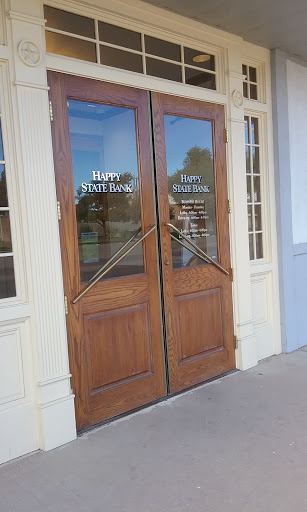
(55, 401)
(246, 353)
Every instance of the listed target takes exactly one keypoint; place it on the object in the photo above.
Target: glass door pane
(191, 186)
(106, 185)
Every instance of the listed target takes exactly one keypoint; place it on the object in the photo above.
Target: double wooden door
(141, 182)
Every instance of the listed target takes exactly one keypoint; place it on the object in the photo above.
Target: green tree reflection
(3, 191)
(198, 162)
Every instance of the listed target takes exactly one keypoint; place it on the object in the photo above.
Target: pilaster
(54, 396)
(246, 353)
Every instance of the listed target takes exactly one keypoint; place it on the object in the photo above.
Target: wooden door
(192, 185)
(103, 170)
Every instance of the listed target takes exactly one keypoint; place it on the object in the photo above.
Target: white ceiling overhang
(280, 24)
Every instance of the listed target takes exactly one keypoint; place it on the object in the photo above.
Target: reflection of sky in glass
(181, 134)
(102, 138)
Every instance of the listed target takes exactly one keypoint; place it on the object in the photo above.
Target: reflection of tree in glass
(3, 192)
(198, 162)
(106, 207)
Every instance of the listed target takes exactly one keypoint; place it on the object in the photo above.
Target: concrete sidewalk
(238, 444)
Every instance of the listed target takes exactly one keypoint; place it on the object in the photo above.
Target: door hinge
(236, 341)
(65, 305)
(50, 111)
(59, 210)
(229, 206)
(226, 134)
(232, 274)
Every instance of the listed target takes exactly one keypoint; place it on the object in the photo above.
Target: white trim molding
(26, 18)
(51, 392)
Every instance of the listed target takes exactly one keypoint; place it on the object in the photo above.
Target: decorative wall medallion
(29, 53)
(237, 98)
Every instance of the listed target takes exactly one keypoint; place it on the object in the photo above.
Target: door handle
(189, 249)
(103, 271)
(198, 252)
(116, 254)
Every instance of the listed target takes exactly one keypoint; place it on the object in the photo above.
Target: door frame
(153, 84)
(230, 50)
(76, 89)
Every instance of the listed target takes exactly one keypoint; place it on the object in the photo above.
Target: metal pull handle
(103, 271)
(198, 252)
(116, 254)
(189, 249)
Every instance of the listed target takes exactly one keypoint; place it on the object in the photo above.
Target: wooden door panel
(203, 368)
(123, 398)
(200, 324)
(133, 289)
(110, 338)
(193, 280)
(198, 298)
(114, 331)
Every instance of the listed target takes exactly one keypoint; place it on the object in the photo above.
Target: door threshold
(165, 398)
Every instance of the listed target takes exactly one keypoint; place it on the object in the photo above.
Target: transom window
(96, 41)
(253, 184)
(7, 277)
(250, 84)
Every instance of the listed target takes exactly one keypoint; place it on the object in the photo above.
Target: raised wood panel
(111, 341)
(120, 399)
(11, 371)
(193, 280)
(200, 324)
(262, 304)
(194, 370)
(134, 290)
(259, 299)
